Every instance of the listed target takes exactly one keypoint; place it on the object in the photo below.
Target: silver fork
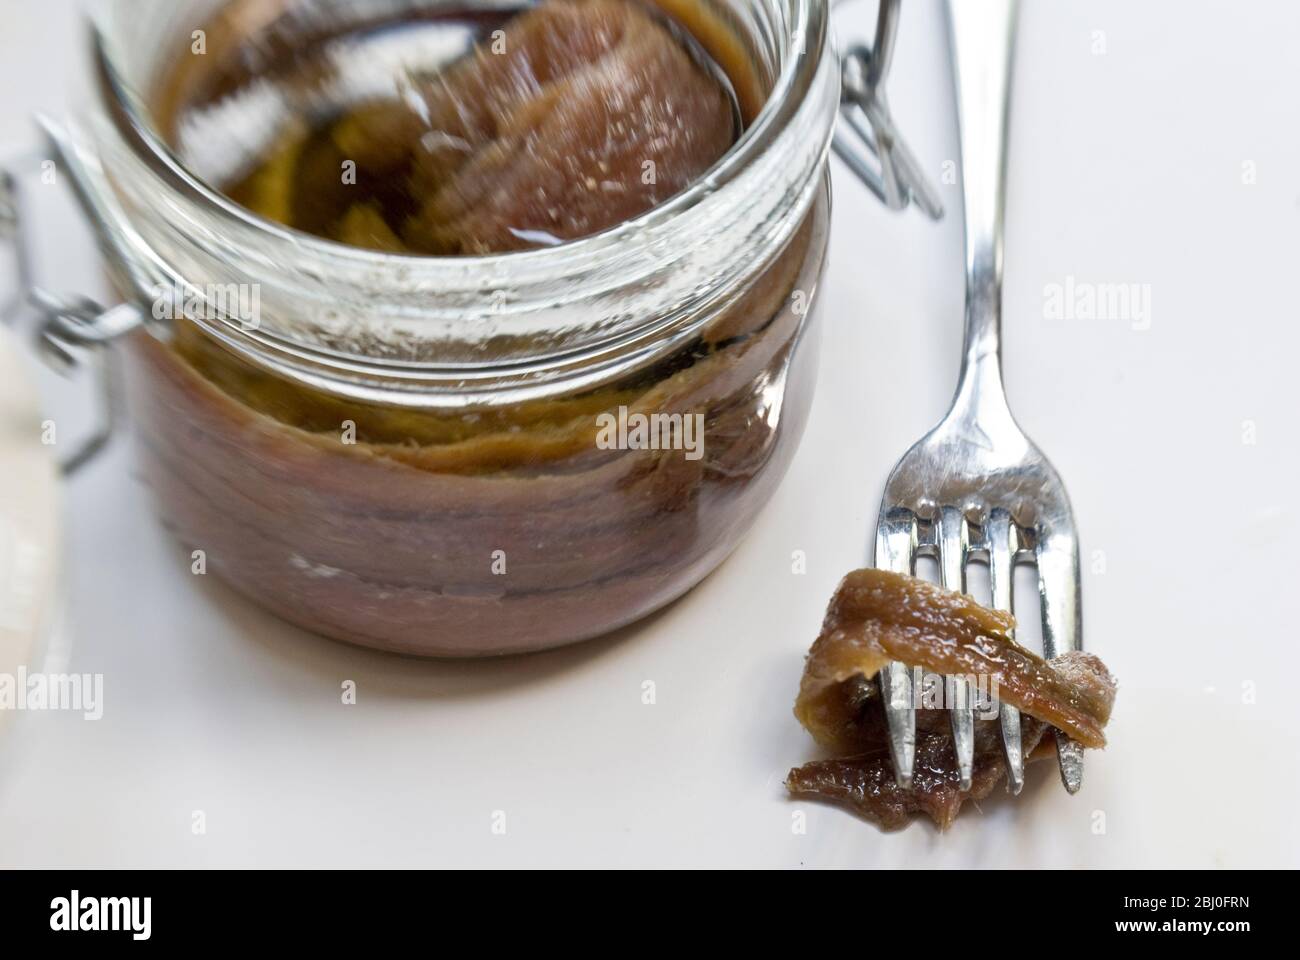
(975, 487)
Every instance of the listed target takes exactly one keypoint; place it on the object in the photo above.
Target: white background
(1126, 167)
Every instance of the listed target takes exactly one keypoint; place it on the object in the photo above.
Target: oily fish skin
(877, 616)
(582, 115)
(864, 780)
(758, 326)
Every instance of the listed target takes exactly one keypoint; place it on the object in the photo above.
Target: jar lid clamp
(871, 146)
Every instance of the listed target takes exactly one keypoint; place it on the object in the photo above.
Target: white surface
(30, 516)
(1126, 167)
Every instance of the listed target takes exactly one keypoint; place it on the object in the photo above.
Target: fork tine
(896, 688)
(954, 542)
(1058, 589)
(1003, 543)
(896, 550)
(962, 717)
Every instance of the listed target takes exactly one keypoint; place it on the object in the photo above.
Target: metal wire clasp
(868, 140)
(71, 332)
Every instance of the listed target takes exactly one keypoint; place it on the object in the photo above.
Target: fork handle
(982, 36)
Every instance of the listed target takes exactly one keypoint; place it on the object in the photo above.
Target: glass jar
(469, 456)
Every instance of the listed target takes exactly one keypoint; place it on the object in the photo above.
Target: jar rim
(577, 273)
(795, 75)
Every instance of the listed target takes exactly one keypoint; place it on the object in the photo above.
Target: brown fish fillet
(877, 616)
(582, 115)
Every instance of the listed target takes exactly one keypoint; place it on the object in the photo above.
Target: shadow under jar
(472, 454)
